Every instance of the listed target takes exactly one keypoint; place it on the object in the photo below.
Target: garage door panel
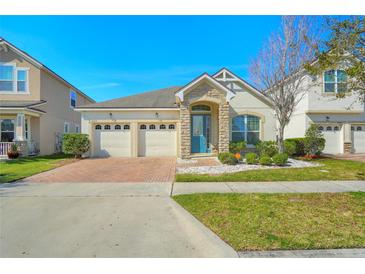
(332, 135)
(157, 142)
(358, 139)
(110, 143)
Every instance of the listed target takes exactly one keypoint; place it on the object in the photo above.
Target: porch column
(223, 127)
(20, 127)
(185, 140)
(347, 138)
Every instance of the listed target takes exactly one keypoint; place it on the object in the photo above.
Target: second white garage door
(157, 140)
(112, 140)
(358, 138)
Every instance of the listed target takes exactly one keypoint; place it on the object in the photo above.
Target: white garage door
(112, 140)
(358, 138)
(157, 140)
(332, 134)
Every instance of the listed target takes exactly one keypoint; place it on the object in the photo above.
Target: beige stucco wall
(33, 74)
(43, 86)
(246, 103)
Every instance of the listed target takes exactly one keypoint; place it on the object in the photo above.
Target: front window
(246, 128)
(335, 81)
(73, 97)
(13, 79)
(7, 130)
(200, 108)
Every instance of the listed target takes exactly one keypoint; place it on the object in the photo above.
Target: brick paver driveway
(149, 169)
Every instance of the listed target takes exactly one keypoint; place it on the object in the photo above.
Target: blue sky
(115, 56)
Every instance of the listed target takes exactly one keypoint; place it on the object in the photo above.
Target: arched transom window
(200, 108)
(246, 128)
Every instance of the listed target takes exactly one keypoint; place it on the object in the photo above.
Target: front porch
(16, 128)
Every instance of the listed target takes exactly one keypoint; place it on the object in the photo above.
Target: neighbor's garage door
(358, 138)
(112, 140)
(332, 134)
(157, 140)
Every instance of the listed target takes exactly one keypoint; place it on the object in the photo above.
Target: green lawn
(23, 167)
(282, 221)
(331, 169)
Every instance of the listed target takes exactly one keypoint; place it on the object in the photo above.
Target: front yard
(330, 169)
(282, 221)
(13, 170)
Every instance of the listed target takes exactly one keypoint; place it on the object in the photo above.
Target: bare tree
(278, 70)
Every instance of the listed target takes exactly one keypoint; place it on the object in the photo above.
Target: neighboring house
(36, 104)
(198, 119)
(328, 103)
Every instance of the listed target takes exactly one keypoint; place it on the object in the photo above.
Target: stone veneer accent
(223, 127)
(206, 93)
(347, 147)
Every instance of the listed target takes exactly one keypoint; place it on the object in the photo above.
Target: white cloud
(101, 85)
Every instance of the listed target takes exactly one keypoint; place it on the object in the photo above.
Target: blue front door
(200, 130)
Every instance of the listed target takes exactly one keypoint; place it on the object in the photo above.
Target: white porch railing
(4, 147)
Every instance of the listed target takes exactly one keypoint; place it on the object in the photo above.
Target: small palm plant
(13, 151)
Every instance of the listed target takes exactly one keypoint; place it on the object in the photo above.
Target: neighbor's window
(6, 78)
(13, 79)
(7, 130)
(246, 128)
(66, 127)
(335, 81)
(22, 76)
(73, 98)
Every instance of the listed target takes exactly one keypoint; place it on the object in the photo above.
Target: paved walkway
(315, 253)
(100, 220)
(148, 169)
(269, 187)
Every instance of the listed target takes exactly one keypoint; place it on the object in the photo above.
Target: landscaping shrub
(75, 144)
(227, 158)
(269, 148)
(13, 151)
(265, 160)
(313, 142)
(299, 145)
(280, 159)
(251, 158)
(290, 147)
(237, 147)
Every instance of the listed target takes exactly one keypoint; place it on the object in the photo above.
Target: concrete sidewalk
(314, 253)
(269, 187)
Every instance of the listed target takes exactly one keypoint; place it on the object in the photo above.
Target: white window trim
(15, 80)
(70, 98)
(68, 127)
(27, 120)
(8, 131)
(246, 131)
(335, 83)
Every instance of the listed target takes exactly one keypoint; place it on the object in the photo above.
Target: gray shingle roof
(161, 98)
(20, 104)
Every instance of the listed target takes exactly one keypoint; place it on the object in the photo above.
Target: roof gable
(204, 77)
(226, 75)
